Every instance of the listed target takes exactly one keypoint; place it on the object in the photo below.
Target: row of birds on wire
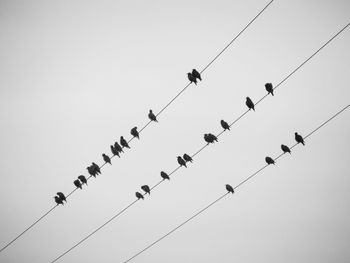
(117, 148)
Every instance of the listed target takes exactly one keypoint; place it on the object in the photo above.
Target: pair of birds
(192, 77)
(94, 169)
(184, 159)
(80, 181)
(144, 188)
(60, 198)
(134, 131)
(210, 138)
(250, 104)
(116, 149)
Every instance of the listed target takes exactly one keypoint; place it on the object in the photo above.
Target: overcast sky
(76, 75)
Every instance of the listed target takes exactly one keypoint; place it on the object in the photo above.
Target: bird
(164, 175)
(196, 74)
(225, 125)
(58, 200)
(187, 158)
(114, 151)
(106, 158)
(91, 171)
(139, 195)
(269, 160)
(82, 179)
(191, 78)
(181, 161)
(123, 142)
(77, 184)
(62, 196)
(118, 148)
(269, 88)
(207, 139)
(134, 132)
(212, 138)
(229, 188)
(146, 189)
(299, 138)
(96, 168)
(285, 148)
(151, 116)
(249, 103)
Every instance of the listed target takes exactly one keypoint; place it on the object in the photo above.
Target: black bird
(164, 175)
(118, 148)
(181, 161)
(82, 179)
(62, 196)
(269, 88)
(139, 195)
(225, 125)
(196, 74)
(96, 168)
(91, 171)
(77, 184)
(299, 138)
(187, 158)
(191, 78)
(146, 189)
(285, 148)
(206, 138)
(106, 158)
(151, 116)
(114, 151)
(58, 200)
(123, 142)
(269, 160)
(212, 138)
(229, 188)
(135, 133)
(249, 103)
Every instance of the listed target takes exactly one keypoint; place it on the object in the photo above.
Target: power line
(231, 124)
(224, 195)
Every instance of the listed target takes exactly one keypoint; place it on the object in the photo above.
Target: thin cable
(222, 196)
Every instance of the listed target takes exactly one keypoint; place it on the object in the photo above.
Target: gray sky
(75, 75)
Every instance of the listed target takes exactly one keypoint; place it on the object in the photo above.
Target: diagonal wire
(224, 195)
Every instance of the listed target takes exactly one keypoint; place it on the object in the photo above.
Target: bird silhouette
(118, 147)
(114, 151)
(196, 74)
(249, 103)
(191, 78)
(82, 179)
(146, 189)
(164, 175)
(229, 188)
(225, 125)
(285, 148)
(135, 133)
(91, 171)
(269, 160)
(106, 158)
(77, 184)
(269, 88)
(58, 200)
(96, 168)
(181, 161)
(212, 138)
(151, 116)
(139, 195)
(123, 142)
(62, 196)
(187, 158)
(299, 138)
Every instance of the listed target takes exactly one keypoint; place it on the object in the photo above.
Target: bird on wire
(118, 147)
(77, 184)
(82, 179)
(58, 200)
(285, 149)
(269, 160)
(249, 103)
(62, 196)
(139, 195)
(269, 88)
(106, 158)
(187, 158)
(164, 175)
(191, 78)
(151, 116)
(146, 189)
(114, 151)
(196, 74)
(135, 133)
(224, 125)
(181, 161)
(229, 188)
(299, 138)
(96, 168)
(123, 142)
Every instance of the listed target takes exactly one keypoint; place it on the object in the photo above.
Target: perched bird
(96, 168)
(191, 78)
(207, 138)
(135, 133)
(114, 151)
(82, 179)
(139, 195)
(164, 175)
(187, 158)
(106, 158)
(269, 88)
(196, 74)
(123, 142)
(58, 200)
(77, 184)
(299, 138)
(151, 116)
(146, 189)
(91, 171)
(62, 196)
(249, 103)
(181, 161)
(285, 148)
(212, 138)
(229, 188)
(225, 125)
(269, 160)
(118, 148)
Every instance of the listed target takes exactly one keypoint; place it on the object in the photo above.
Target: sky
(76, 75)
